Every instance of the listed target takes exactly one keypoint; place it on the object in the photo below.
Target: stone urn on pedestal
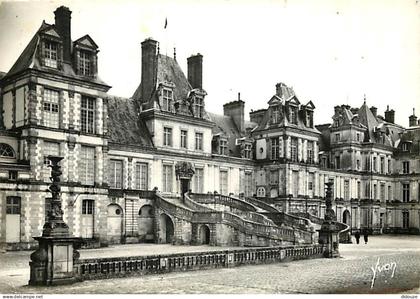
(52, 262)
(328, 234)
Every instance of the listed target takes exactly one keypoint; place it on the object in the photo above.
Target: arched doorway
(114, 223)
(166, 229)
(145, 223)
(346, 217)
(204, 235)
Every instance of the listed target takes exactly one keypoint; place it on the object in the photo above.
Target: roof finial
(364, 98)
(158, 49)
(387, 107)
(239, 96)
(414, 111)
(174, 53)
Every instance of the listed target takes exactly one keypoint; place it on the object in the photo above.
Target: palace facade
(116, 150)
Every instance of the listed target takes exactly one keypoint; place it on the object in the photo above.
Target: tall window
(275, 114)
(223, 149)
(184, 139)
(248, 184)
(358, 136)
(374, 168)
(406, 167)
(50, 54)
(357, 164)
(141, 176)
(167, 99)
(389, 193)
(337, 137)
(275, 148)
(293, 115)
(85, 63)
(88, 115)
(293, 150)
(406, 219)
(167, 136)
(406, 192)
(50, 110)
(115, 174)
(359, 190)
(198, 107)
(375, 191)
(87, 165)
(346, 190)
(310, 152)
(311, 179)
(337, 162)
(53, 149)
(247, 151)
(389, 165)
(88, 207)
(274, 177)
(199, 141)
(223, 182)
(382, 192)
(167, 178)
(367, 190)
(198, 180)
(382, 165)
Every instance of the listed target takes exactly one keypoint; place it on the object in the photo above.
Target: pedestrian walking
(357, 236)
(365, 235)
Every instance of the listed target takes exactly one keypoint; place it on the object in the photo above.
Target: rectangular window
(358, 136)
(357, 164)
(406, 167)
(85, 63)
(223, 182)
(184, 139)
(310, 152)
(346, 190)
(115, 174)
(275, 114)
(88, 115)
(293, 116)
(382, 165)
(248, 184)
(359, 193)
(375, 191)
(87, 165)
(141, 176)
(337, 162)
(199, 141)
(247, 151)
(198, 180)
(50, 108)
(53, 149)
(167, 136)
(167, 99)
(167, 178)
(367, 190)
(382, 192)
(198, 107)
(311, 179)
(337, 137)
(389, 193)
(13, 205)
(88, 207)
(406, 219)
(223, 150)
(374, 168)
(275, 148)
(50, 54)
(274, 177)
(293, 149)
(406, 192)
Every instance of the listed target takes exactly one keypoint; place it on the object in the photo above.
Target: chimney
(63, 25)
(257, 115)
(235, 110)
(337, 110)
(354, 110)
(148, 68)
(195, 71)
(389, 115)
(412, 120)
(374, 110)
(283, 91)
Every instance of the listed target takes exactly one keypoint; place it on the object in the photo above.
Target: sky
(331, 52)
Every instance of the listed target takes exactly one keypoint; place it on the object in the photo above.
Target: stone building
(117, 150)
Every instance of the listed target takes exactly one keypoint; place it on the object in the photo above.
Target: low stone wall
(103, 268)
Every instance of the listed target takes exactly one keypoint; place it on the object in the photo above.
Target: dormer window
(198, 107)
(223, 148)
(247, 151)
(404, 147)
(293, 116)
(275, 116)
(309, 119)
(167, 99)
(85, 63)
(50, 54)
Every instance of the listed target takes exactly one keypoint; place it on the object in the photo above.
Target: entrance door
(166, 229)
(114, 223)
(204, 234)
(185, 186)
(12, 219)
(346, 217)
(88, 209)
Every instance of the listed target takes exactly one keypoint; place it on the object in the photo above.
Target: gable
(86, 41)
(294, 101)
(51, 32)
(310, 105)
(274, 100)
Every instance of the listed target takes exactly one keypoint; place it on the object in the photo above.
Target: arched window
(6, 151)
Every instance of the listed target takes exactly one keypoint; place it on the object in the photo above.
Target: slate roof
(2, 74)
(124, 125)
(29, 60)
(367, 118)
(411, 135)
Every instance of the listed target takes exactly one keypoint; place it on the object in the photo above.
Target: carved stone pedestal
(328, 235)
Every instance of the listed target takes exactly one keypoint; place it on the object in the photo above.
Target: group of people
(365, 236)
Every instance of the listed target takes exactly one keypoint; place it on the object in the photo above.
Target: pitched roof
(124, 125)
(2, 74)
(367, 118)
(29, 60)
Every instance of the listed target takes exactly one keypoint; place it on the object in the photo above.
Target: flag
(166, 23)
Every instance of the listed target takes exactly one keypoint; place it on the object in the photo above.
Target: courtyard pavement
(395, 259)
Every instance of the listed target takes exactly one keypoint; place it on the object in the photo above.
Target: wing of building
(118, 150)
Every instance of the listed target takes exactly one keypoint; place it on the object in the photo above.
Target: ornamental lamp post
(52, 263)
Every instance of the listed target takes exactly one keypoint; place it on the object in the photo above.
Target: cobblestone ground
(350, 274)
